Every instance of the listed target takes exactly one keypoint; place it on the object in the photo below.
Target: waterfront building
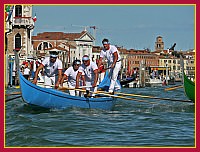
(75, 44)
(19, 28)
(19, 25)
(172, 61)
(136, 57)
(189, 63)
(96, 53)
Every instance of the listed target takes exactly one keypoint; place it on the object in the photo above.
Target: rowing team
(85, 74)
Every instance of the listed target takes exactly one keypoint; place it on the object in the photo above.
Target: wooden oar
(151, 97)
(13, 98)
(102, 93)
(172, 88)
(65, 88)
(85, 87)
(121, 97)
(14, 93)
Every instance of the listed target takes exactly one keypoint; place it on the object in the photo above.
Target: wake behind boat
(54, 99)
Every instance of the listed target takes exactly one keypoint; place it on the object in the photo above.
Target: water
(129, 124)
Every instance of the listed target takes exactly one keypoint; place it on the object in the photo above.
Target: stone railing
(23, 21)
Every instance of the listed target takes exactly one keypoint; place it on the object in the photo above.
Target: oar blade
(173, 88)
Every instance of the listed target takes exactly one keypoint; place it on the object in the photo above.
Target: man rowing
(52, 72)
(89, 70)
(111, 53)
(70, 75)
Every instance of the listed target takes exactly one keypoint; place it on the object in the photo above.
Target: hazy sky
(130, 26)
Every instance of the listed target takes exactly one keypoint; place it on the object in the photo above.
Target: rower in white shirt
(70, 75)
(111, 53)
(89, 70)
(52, 72)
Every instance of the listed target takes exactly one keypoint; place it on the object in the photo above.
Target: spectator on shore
(26, 72)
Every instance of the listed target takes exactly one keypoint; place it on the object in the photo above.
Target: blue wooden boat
(55, 99)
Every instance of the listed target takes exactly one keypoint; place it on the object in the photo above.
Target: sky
(127, 26)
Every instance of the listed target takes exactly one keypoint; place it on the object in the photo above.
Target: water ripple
(130, 123)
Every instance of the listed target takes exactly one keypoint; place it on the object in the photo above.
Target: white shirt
(71, 75)
(51, 69)
(88, 71)
(109, 54)
(26, 71)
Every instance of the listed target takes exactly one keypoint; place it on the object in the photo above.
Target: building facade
(75, 45)
(19, 26)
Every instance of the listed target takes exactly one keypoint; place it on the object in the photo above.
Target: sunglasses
(76, 64)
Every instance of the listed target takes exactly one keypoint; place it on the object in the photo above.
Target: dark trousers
(26, 76)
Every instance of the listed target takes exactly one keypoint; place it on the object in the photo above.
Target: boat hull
(154, 83)
(54, 99)
(126, 81)
(189, 87)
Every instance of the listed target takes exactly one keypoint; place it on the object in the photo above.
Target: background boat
(189, 88)
(189, 85)
(154, 83)
(126, 81)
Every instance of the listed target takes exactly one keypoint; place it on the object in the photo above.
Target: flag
(10, 12)
(7, 8)
(105, 83)
(6, 15)
(35, 18)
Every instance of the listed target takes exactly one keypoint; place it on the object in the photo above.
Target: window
(44, 45)
(40, 47)
(17, 41)
(18, 11)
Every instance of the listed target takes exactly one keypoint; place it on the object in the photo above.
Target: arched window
(17, 41)
(18, 11)
(44, 45)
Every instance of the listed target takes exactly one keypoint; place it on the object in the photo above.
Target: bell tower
(19, 28)
(159, 44)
